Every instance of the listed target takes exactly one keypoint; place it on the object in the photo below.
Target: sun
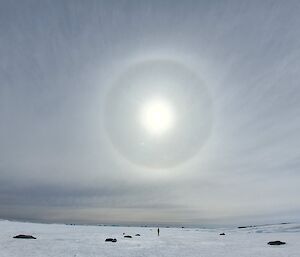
(157, 117)
(158, 113)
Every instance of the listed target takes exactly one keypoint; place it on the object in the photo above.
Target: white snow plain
(82, 241)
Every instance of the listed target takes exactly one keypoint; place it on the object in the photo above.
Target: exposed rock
(137, 235)
(276, 243)
(222, 234)
(263, 225)
(25, 237)
(128, 236)
(111, 240)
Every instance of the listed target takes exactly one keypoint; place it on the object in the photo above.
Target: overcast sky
(71, 149)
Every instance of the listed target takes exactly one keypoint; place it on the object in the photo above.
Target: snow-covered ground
(66, 240)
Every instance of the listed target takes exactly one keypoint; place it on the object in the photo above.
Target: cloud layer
(58, 63)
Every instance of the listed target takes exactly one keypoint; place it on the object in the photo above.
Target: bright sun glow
(157, 117)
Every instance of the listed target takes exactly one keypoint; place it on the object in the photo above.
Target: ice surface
(65, 240)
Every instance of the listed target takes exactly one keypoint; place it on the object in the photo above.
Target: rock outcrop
(25, 237)
(276, 243)
(111, 240)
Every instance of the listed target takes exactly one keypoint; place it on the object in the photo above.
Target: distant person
(157, 231)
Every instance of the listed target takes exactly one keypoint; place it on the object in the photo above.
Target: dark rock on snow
(137, 235)
(276, 243)
(111, 240)
(128, 236)
(222, 234)
(25, 237)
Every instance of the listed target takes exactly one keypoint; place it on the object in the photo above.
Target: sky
(79, 81)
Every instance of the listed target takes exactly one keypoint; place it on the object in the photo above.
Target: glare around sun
(157, 117)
